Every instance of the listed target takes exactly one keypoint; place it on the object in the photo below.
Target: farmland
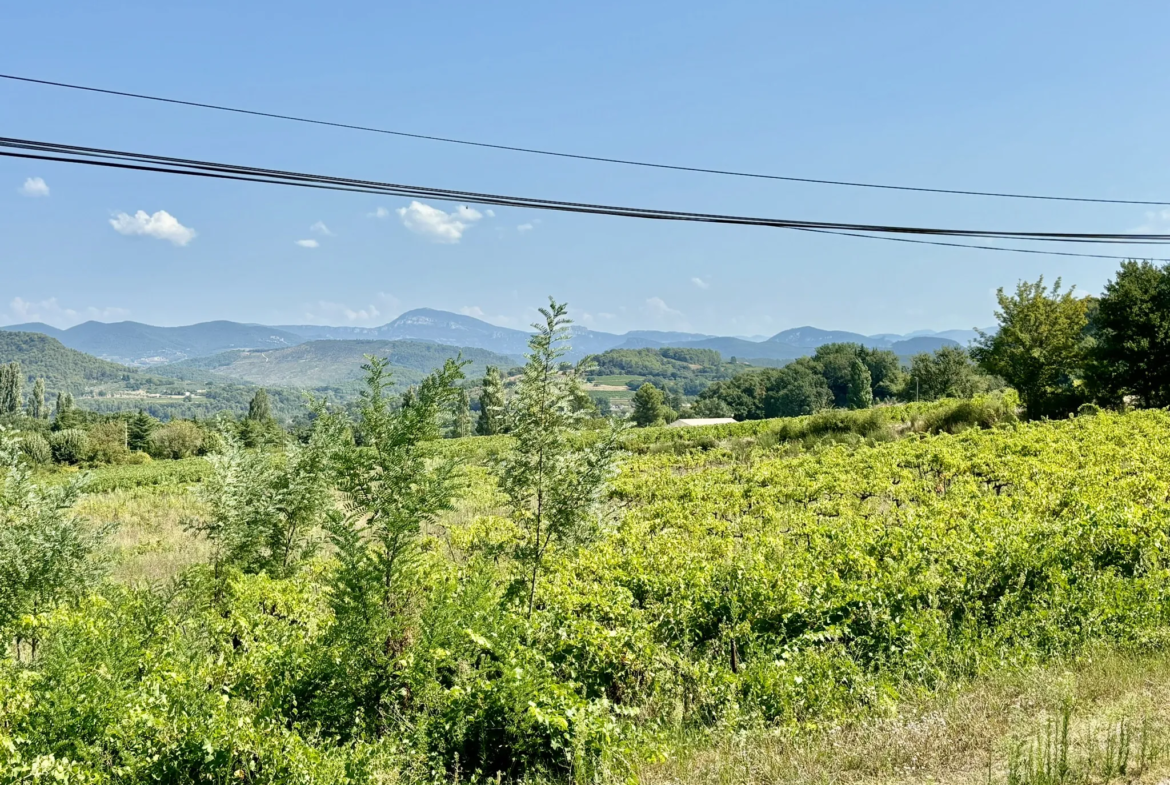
(743, 580)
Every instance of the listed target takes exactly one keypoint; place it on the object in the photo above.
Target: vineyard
(736, 584)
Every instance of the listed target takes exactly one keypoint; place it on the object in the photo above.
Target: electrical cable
(146, 162)
(575, 156)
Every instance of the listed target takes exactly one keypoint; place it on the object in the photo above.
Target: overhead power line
(575, 156)
(72, 154)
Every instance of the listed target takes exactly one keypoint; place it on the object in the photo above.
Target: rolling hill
(132, 343)
(337, 364)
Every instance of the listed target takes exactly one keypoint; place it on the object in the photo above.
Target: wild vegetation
(860, 589)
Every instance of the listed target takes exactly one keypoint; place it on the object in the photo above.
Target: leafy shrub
(107, 442)
(69, 446)
(36, 448)
(985, 411)
(1088, 410)
(176, 439)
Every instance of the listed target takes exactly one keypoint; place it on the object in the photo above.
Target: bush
(36, 448)
(69, 446)
(1088, 410)
(107, 442)
(985, 411)
(177, 439)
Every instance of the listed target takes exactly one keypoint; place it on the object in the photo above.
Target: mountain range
(143, 345)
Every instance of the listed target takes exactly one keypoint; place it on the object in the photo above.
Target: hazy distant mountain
(132, 343)
(923, 343)
(812, 337)
(137, 344)
(317, 364)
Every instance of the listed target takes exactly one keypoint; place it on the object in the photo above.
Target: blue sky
(1062, 98)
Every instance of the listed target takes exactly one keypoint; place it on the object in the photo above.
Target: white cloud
(522, 228)
(434, 223)
(52, 312)
(1157, 222)
(658, 307)
(321, 228)
(490, 213)
(162, 225)
(325, 312)
(472, 310)
(380, 213)
(699, 282)
(308, 243)
(34, 186)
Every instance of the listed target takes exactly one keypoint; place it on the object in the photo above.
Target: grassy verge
(1103, 718)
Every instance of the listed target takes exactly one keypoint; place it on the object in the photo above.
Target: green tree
(945, 373)
(1131, 325)
(393, 485)
(46, 552)
(176, 439)
(491, 404)
(263, 514)
(552, 482)
(860, 386)
(138, 431)
(36, 402)
(795, 390)
(1039, 348)
(11, 389)
(462, 424)
(649, 407)
(259, 408)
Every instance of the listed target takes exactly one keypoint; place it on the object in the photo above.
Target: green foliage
(552, 485)
(650, 407)
(1131, 325)
(491, 404)
(36, 402)
(684, 370)
(36, 449)
(945, 373)
(69, 446)
(177, 439)
(108, 442)
(1040, 347)
(11, 384)
(393, 485)
(263, 513)
(138, 431)
(45, 551)
(860, 394)
(259, 409)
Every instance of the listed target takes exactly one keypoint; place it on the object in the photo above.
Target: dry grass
(998, 730)
(149, 544)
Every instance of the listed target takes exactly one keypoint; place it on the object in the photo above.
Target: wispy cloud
(161, 225)
(34, 186)
(699, 282)
(50, 311)
(1157, 221)
(472, 310)
(381, 213)
(527, 227)
(442, 227)
(658, 307)
(308, 243)
(321, 228)
(326, 312)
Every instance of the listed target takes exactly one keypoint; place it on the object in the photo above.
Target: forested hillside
(337, 364)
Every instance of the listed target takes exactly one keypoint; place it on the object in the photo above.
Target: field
(836, 598)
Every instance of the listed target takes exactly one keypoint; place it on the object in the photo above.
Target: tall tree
(860, 394)
(649, 407)
(36, 402)
(463, 414)
(491, 404)
(552, 483)
(393, 484)
(1131, 355)
(1040, 347)
(945, 373)
(11, 389)
(138, 431)
(259, 408)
